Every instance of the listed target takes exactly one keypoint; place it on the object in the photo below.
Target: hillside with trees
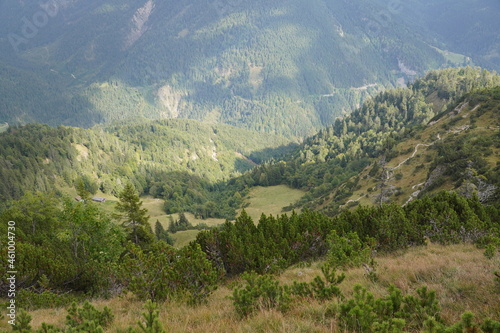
(208, 169)
(249, 166)
(287, 68)
(386, 150)
(179, 160)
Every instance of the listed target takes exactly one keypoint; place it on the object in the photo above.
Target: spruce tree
(162, 234)
(136, 220)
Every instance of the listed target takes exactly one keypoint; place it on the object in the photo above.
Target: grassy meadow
(271, 200)
(260, 199)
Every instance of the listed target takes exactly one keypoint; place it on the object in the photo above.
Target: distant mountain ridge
(282, 68)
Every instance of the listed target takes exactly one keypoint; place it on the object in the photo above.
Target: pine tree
(136, 220)
(162, 234)
(159, 230)
(183, 222)
(151, 316)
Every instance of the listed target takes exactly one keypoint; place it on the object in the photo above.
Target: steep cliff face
(139, 23)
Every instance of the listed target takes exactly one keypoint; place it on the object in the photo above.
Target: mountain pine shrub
(347, 251)
(151, 322)
(393, 313)
(163, 272)
(31, 300)
(327, 288)
(88, 318)
(260, 292)
(467, 324)
(23, 320)
(85, 319)
(265, 292)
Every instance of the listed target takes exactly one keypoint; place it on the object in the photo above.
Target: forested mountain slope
(288, 68)
(458, 151)
(376, 154)
(181, 159)
(190, 164)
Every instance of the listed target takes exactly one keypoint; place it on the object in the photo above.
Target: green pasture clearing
(270, 200)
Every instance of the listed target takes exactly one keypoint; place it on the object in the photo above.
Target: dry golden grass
(183, 238)
(461, 275)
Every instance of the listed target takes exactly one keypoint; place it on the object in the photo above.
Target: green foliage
(327, 288)
(189, 178)
(151, 322)
(32, 300)
(347, 251)
(161, 272)
(272, 245)
(135, 218)
(327, 163)
(62, 245)
(85, 185)
(320, 288)
(23, 320)
(490, 326)
(162, 234)
(196, 275)
(87, 318)
(260, 293)
(181, 224)
(265, 292)
(39, 158)
(278, 242)
(467, 324)
(490, 251)
(149, 273)
(393, 313)
(450, 218)
(233, 67)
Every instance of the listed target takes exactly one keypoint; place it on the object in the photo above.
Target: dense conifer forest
(286, 69)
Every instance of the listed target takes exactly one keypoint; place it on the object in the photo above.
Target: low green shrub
(347, 251)
(151, 322)
(31, 300)
(264, 292)
(393, 313)
(260, 292)
(85, 319)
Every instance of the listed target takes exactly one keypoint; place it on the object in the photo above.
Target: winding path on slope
(454, 131)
